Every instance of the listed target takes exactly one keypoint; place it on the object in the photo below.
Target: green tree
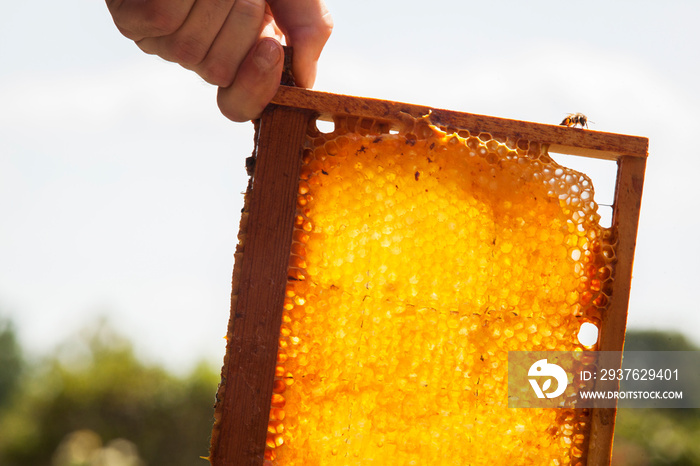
(655, 437)
(10, 361)
(97, 383)
(652, 340)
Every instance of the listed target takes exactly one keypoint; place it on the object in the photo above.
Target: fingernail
(267, 54)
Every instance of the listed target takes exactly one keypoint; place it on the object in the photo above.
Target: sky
(120, 181)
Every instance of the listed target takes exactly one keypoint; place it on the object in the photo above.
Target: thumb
(255, 84)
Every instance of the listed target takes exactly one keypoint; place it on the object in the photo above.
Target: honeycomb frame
(247, 390)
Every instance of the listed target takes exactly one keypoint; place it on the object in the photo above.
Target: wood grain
(256, 314)
(564, 140)
(627, 204)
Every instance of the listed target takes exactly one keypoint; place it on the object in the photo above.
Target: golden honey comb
(419, 259)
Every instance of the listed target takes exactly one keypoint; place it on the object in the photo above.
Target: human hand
(233, 44)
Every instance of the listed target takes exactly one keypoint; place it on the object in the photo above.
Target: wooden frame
(260, 274)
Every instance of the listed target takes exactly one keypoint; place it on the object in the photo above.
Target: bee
(575, 119)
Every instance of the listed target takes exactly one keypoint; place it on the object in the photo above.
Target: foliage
(650, 340)
(10, 361)
(106, 389)
(646, 437)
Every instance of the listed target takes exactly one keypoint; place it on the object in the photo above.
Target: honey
(420, 257)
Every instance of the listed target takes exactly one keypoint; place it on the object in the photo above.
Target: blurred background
(120, 190)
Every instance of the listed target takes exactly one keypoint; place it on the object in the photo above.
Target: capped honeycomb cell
(419, 259)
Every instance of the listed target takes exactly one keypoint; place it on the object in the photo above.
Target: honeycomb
(420, 257)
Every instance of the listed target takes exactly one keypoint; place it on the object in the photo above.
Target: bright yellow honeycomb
(420, 258)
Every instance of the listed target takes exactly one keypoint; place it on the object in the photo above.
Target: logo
(552, 371)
